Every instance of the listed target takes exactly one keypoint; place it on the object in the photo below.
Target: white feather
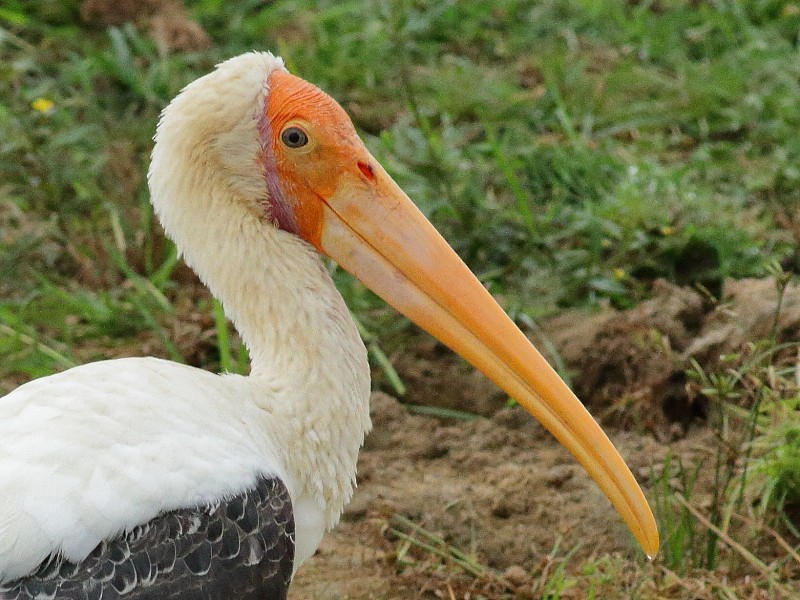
(101, 448)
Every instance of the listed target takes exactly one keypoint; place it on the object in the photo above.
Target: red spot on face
(366, 169)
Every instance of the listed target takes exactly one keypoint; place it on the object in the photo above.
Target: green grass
(545, 138)
(572, 152)
(749, 479)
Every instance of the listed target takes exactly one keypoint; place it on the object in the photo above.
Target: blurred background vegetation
(571, 151)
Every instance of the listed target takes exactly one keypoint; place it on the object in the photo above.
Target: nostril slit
(366, 169)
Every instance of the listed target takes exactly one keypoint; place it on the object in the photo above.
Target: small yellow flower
(43, 105)
(790, 10)
(619, 274)
(667, 230)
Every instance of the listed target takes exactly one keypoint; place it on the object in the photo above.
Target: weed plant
(571, 151)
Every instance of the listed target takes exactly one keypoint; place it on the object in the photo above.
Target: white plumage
(98, 449)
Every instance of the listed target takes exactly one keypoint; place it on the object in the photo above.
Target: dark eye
(294, 137)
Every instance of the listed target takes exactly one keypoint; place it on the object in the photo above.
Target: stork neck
(309, 369)
(278, 293)
(308, 363)
(308, 360)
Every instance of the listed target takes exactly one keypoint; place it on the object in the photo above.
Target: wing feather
(242, 547)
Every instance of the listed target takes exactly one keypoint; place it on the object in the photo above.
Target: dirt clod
(168, 21)
(747, 313)
(173, 30)
(628, 365)
(516, 575)
(556, 477)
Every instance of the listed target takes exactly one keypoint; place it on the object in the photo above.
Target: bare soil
(500, 487)
(502, 490)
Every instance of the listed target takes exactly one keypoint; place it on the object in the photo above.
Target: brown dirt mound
(629, 367)
(499, 488)
(168, 21)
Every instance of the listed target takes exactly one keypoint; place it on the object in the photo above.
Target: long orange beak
(374, 231)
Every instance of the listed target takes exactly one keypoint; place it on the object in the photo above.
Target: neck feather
(309, 366)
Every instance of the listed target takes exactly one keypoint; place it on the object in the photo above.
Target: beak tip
(648, 537)
(653, 550)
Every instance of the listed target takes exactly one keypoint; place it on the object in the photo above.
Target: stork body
(127, 478)
(90, 453)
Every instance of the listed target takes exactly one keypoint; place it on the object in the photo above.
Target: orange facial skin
(334, 195)
(307, 176)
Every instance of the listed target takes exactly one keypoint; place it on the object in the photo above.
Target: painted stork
(143, 479)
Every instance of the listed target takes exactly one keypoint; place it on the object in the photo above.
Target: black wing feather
(242, 548)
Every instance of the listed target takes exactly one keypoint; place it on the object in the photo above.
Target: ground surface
(500, 486)
(502, 490)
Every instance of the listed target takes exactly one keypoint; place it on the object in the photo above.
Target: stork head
(291, 155)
